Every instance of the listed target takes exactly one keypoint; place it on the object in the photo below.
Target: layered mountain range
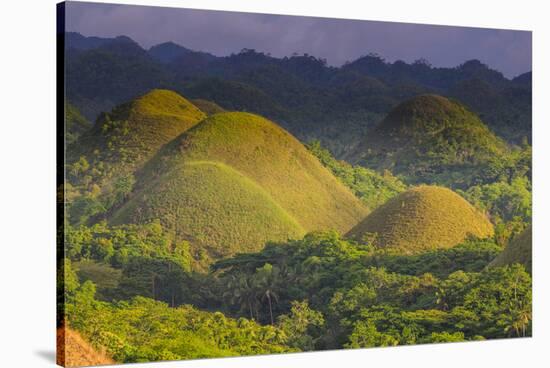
(303, 94)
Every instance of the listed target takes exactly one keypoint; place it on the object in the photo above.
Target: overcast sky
(337, 40)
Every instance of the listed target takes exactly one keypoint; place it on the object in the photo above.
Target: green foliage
(66, 284)
(470, 256)
(116, 245)
(105, 277)
(131, 260)
(368, 297)
(323, 291)
(502, 200)
(508, 204)
(437, 337)
(143, 330)
(302, 325)
(507, 111)
(366, 335)
(498, 299)
(372, 188)
(423, 218)
(75, 123)
(84, 208)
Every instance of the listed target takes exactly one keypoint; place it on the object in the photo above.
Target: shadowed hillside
(423, 218)
(519, 250)
(75, 123)
(208, 107)
(431, 139)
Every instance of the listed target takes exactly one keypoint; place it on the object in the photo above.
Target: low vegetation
(508, 204)
(371, 187)
(319, 292)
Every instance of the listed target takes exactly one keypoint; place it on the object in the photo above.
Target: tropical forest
(215, 206)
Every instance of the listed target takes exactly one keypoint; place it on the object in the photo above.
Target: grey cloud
(337, 40)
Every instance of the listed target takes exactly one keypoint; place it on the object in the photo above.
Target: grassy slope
(519, 250)
(125, 138)
(274, 159)
(74, 351)
(214, 207)
(423, 218)
(430, 138)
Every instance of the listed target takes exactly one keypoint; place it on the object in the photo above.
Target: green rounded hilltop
(131, 133)
(214, 207)
(430, 139)
(252, 180)
(519, 250)
(422, 218)
(101, 164)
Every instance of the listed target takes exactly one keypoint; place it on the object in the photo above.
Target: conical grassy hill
(214, 207)
(430, 139)
(236, 180)
(423, 218)
(519, 250)
(125, 138)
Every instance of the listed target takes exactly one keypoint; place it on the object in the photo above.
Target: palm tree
(519, 319)
(519, 314)
(267, 277)
(270, 295)
(241, 291)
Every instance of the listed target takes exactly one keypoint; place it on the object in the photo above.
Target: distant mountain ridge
(77, 41)
(302, 93)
